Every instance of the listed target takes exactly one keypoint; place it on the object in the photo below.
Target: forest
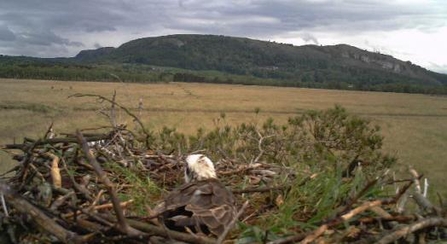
(220, 59)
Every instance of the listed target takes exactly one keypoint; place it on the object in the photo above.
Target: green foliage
(24, 68)
(220, 59)
(254, 234)
(169, 140)
(317, 147)
(144, 191)
(336, 133)
(331, 136)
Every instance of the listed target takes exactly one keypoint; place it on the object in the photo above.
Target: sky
(410, 30)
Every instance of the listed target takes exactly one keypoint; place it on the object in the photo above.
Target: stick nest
(101, 187)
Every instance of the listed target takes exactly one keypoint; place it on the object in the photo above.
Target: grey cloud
(346, 15)
(53, 22)
(309, 38)
(441, 68)
(6, 34)
(100, 28)
(45, 38)
(248, 18)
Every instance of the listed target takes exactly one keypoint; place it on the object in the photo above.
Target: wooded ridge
(222, 59)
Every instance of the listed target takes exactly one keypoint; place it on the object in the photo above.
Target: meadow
(414, 125)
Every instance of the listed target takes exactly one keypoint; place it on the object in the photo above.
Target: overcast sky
(414, 30)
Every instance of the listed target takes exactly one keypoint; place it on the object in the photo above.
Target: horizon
(224, 36)
(412, 31)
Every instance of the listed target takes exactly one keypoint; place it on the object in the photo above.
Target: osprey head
(199, 167)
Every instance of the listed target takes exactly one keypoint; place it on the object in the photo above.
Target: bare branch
(422, 224)
(160, 231)
(45, 222)
(232, 223)
(145, 131)
(122, 224)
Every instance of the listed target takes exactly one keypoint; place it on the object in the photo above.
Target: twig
(112, 110)
(359, 195)
(416, 178)
(309, 237)
(49, 134)
(289, 239)
(60, 200)
(232, 223)
(318, 232)
(262, 189)
(55, 171)
(164, 232)
(80, 188)
(314, 235)
(122, 224)
(5, 208)
(360, 209)
(98, 207)
(398, 218)
(25, 146)
(45, 222)
(425, 187)
(422, 224)
(425, 204)
(261, 150)
(145, 131)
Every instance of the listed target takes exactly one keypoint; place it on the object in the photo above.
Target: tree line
(28, 68)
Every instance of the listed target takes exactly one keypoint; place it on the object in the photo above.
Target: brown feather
(202, 206)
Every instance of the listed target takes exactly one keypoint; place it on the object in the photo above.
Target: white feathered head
(199, 167)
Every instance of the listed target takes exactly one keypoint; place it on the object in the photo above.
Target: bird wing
(203, 203)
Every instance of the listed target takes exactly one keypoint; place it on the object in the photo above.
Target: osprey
(202, 204)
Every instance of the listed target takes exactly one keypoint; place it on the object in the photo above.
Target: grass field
(414, 126)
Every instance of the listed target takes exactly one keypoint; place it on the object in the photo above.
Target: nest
(74, 189)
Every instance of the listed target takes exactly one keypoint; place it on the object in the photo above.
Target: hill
(310, 63)
(243, 60)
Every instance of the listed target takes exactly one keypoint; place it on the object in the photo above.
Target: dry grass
(414, 126)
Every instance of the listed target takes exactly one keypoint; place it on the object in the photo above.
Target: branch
(122, 224)
(425, 204)
(416, 179)
(98, 207)
(309, 237)
(24, 146)
(359, 195)
(146, 132)
(422, 224)
(314, 235)
(232, 223)
(55, 171)
(362, 208)
(159, 231)
(289, 239)
(261, 150)
(42, 220)
(261, 189)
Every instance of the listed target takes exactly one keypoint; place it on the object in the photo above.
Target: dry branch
(163, 232)
(422, 224)
(122, 224)
(232, 223)
(74, 195)
(26, 145)
(42, 220)
(127, 111)
(55, 171)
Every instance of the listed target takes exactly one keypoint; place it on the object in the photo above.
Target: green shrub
(331, 157)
